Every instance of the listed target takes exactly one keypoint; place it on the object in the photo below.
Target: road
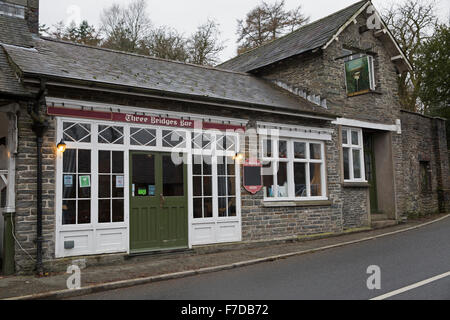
(405, 259)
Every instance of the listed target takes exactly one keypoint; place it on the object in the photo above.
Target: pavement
(145, 270)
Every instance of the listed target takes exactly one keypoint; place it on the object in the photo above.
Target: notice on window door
(120, 181)
(68, 181)
(85, 181)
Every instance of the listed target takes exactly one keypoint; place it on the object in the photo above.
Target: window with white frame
(353, 155)
(76, 202)
(293, 169)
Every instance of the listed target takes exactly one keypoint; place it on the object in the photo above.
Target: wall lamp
(61, 146)
(239, 157)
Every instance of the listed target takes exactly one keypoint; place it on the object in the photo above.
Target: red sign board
(253, 176)
(140, 119)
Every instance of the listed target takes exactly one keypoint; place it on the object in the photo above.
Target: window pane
(104, 187)
(118, 186)
(70, 161)
(118, 210)
(198, 208)
(267, 148)
(282, 149)
(117, 162)
(346, 163)
(107, 134)
(355, 138)
(77, 132)
(222, 207)
(221, 166)
(231, 187)
(357, 164)
(268, 181)
(69, 215)
(207, 186)
(84, 212)
(104, 211)
(197, 165)
(208, 207)
(344, 137)
(316, 180)
(104, 162)
(300, 179)
(173, 138)
(283, 190)
(143, 137)
(300, 150)
(315, 151)
(69, 186)
(232, 207)
(173, 178)
(222, 186)
(197, 186)
(207, 161)
(84, 161)
(231, 169)
(84, 186)
(143, 176)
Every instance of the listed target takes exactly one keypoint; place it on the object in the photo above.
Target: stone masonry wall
(424, 140)
(25, 219)
(322, 73)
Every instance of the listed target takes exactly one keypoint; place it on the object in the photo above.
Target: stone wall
(26, 191)
(424, 139)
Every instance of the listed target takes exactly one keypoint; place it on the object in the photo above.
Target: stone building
(109, 154)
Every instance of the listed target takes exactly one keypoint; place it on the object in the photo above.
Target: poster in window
(85, 181)
(358, 74)
(68, 180)
(120, 183)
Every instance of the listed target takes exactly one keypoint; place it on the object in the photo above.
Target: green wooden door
(158, 203)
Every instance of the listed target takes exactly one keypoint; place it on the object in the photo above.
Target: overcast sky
(186, 15)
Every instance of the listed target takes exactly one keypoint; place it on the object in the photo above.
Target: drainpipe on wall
(39, 127)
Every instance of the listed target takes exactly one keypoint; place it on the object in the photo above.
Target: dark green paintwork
(8, 245)
(157, 225)
(371, 175)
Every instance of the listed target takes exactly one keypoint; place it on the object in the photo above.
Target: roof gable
(309, 37)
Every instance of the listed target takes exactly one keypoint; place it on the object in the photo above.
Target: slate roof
(306, 38)
(65, 61)
(13, 31)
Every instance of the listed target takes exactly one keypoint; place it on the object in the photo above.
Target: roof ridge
(143, 56)
(295, 31)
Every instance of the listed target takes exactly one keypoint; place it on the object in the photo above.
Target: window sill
(351, 95)
(356, 185)
(306, 203)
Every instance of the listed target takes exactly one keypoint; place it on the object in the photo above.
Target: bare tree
(412, 22)
(204, 46)
(84, 33)
(268, 22)
(165, 43)
(125, 28)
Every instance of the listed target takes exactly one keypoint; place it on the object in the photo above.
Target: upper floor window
(359, 74)
(353, 152)
(12, 10)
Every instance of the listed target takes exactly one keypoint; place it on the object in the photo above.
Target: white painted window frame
(351, 147)
(290, 167)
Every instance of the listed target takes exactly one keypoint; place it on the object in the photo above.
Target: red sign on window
(253, 176)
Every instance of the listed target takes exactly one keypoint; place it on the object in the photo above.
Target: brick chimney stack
(25, 9)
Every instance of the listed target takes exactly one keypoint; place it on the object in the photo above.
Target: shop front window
(202, 183)
(111, 184)
(76, 207)
(293, 169)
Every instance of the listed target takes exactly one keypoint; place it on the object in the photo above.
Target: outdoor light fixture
(61, 146)
(239, 157)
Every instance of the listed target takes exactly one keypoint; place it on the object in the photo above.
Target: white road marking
(413, 286)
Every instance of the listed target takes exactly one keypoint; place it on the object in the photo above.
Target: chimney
(22, 9)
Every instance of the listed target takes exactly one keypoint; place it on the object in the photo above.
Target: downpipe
(40, 126)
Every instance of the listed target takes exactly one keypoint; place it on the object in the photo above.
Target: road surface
(405, 260)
